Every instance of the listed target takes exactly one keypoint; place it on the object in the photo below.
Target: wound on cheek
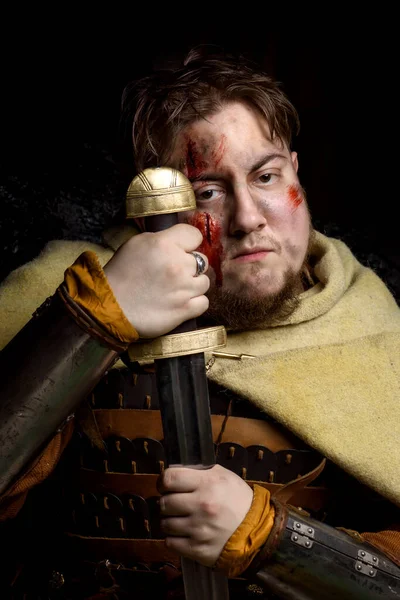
(211, 245)
(295, 196)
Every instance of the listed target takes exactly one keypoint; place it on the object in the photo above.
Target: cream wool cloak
(330, 372)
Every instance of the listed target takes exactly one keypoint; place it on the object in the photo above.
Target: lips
(255, 250)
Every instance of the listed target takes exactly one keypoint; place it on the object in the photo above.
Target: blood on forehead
(194, 163)
(200, 155)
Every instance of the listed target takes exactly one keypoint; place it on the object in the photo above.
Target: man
(322, 331)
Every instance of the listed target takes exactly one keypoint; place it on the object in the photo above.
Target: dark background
(63, 74)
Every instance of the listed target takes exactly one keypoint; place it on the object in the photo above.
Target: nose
(247, 213)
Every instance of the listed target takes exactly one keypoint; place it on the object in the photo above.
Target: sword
(158, 195)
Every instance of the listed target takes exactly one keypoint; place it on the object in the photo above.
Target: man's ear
(295, 161)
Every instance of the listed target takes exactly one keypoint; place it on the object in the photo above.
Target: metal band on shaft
(179, 344)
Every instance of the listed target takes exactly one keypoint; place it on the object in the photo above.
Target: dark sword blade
(185, 412)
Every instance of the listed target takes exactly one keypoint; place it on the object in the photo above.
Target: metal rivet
(359, 567)
(371, 572)
(307, 544)
(363, 553)
(309, 530)
(295, 537)
(298, 525)
(374, 558)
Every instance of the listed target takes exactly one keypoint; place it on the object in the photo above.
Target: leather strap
(289, 490)
(132, 422)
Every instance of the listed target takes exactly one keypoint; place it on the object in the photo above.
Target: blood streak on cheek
(295, 197)
(211, 245)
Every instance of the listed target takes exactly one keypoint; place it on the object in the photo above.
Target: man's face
(250, 205)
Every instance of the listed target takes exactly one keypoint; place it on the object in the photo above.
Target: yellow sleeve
(87, 285)
(250, 536)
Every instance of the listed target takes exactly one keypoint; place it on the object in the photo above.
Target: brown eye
(207, 195)
(266, 178)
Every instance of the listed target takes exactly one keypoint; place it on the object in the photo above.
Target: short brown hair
(157, 107)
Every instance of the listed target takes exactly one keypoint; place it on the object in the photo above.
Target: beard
(241, 310)
(238, 311)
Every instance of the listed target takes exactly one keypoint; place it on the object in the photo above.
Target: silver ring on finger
(200, 264)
